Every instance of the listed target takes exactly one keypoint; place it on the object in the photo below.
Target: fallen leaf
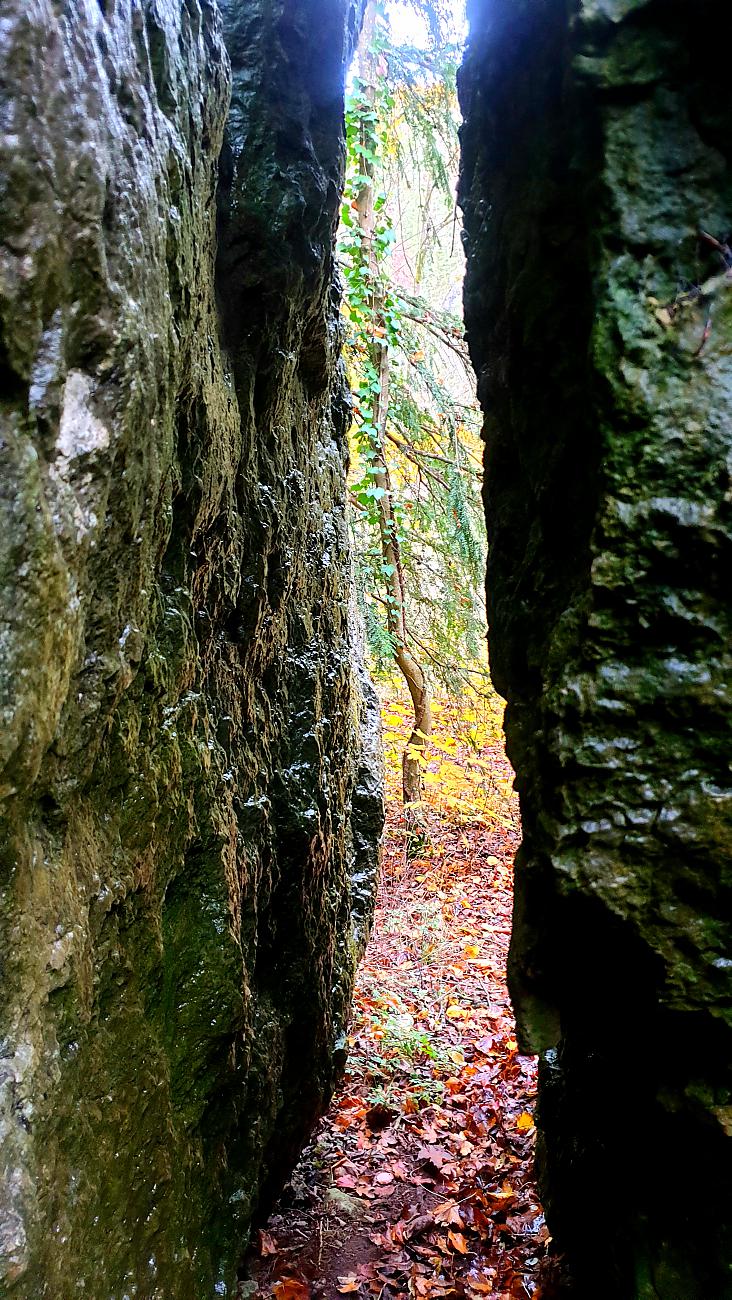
(459, 1242)
(448, 1213)
(291, 1288)
(485, 1045)
(418, 1224)
(435, 1093)
(435, 1156)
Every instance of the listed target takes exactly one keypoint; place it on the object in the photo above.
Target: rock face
(597, 144)
(190, 796)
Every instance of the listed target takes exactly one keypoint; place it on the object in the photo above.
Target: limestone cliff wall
(190, 795)
(597, 145)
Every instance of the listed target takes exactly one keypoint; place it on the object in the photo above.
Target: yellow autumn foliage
(466, 776)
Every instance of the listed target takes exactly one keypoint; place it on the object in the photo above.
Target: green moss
(594, 152)
(184, 748)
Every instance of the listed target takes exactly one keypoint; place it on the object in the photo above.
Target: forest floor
(418, 1181)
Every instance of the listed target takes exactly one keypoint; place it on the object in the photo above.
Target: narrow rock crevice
(190, 798)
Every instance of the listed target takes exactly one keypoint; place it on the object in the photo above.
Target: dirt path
(418, 1182)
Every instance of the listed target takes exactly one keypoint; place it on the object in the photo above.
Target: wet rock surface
(190, 797)
(596, 147)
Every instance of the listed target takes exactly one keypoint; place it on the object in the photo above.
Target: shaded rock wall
(597, 144)
(190, 791)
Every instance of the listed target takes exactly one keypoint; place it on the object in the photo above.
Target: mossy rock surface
(596, 148)
(189, 767)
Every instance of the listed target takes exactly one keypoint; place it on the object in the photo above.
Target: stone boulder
(190, 801)
(596, 166)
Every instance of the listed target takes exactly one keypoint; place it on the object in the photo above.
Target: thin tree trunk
(408, 664)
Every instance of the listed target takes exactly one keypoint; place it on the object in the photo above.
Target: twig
(432, 455)
(413, 456)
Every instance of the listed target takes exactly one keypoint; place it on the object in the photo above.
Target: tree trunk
(408, 664)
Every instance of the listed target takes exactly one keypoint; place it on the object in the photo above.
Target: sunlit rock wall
(597, 146)
(189, 815)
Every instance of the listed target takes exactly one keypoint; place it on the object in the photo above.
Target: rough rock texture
(190, 799)
(597, 144)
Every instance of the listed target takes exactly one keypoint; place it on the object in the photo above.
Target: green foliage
(406, 1057)
(402, 145)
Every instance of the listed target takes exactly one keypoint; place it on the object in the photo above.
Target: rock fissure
(190, 796)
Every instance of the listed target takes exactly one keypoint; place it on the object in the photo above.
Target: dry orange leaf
(448, 1212)
(348, 1284)
(458, 1242)
(346, 1118)
(525, 1122)
(291, 1288)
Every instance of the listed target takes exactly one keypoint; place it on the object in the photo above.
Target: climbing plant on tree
(415, 483)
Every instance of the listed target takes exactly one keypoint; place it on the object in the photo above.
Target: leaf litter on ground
(419, 1180)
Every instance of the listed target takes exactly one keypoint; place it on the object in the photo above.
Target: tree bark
(405, 659)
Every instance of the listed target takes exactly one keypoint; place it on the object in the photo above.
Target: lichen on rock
(190, 799)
